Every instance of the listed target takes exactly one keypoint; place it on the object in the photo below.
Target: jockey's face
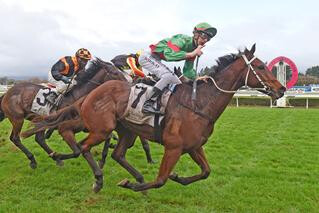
(201, 38)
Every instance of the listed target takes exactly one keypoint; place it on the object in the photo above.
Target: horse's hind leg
(67, 131)
(40, 139)
(86, 144)
(15, 138)
(199, 157)
(169, 160)
(147, 151)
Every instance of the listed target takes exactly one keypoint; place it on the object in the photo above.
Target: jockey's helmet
(138, 53)
(206, 29)
(83, 53)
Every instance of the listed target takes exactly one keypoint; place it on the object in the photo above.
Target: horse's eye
(261, 67)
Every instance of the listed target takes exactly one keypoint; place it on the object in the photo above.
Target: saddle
(42, 103)
(139, 93)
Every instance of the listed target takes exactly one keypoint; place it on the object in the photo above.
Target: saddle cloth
(138, 95)
(40, 105)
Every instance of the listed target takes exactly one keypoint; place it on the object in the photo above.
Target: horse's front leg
(40, 139)
(126, 141)
(147, 150)
(17, 124)
(105, 152)
(199, 157)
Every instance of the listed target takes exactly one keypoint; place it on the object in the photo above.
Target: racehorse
(187, 124)
(16, 104)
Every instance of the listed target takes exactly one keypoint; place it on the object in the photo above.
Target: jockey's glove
(66, 79)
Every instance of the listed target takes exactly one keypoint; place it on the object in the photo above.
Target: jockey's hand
(66, 79)
(198, 50)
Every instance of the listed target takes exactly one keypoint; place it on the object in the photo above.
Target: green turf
(262, 160)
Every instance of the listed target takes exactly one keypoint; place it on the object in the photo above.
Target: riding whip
(195, 81)
(57, 102)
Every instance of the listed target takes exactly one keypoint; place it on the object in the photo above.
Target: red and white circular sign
(294, 77)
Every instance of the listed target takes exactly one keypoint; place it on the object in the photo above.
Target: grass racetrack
(262, 160)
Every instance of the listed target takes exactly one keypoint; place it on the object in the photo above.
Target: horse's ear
(253, 49)
(177, 71)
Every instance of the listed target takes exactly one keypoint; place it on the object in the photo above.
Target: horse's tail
(2, 116)
(52, 121)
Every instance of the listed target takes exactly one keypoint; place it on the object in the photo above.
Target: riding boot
(149, 105)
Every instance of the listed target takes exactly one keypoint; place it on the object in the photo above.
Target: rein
(250, 67)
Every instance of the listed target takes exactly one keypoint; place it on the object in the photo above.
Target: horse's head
(258, 76)
(98, 72)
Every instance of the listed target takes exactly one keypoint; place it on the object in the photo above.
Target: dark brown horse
(187, 124)
(16, 104)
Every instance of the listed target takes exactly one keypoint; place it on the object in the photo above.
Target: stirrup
(148, 108)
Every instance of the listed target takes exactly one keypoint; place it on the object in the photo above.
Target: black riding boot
(149, 105)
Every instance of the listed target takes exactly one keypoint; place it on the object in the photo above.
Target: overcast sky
(36, 33)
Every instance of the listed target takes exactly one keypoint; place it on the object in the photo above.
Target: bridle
(250, 68)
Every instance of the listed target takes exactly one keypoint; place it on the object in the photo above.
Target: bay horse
(16, 106)
(186, 126)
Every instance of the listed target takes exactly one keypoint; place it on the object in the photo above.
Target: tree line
(10, 81)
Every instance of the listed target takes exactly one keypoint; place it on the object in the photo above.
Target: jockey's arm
(55, 71)
(132, 64)
(188, 70)
(173, 52)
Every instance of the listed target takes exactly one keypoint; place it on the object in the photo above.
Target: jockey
(177, 48)
(63, 71)
(129, 64)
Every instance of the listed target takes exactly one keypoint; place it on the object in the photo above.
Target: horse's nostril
(282, 89)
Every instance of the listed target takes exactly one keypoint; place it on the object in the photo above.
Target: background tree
(313, 71)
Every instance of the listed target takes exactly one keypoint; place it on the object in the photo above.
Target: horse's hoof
(33, 165)
(151, 162)
(52, 154)
(59, 162)
(173, 176)
(97, 187)
(124, 183)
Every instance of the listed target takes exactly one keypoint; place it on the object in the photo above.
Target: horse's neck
(79, 91)
(230, 80)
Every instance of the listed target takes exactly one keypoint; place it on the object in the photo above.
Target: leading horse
(186, 126)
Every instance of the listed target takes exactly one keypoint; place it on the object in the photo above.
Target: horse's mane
(223, 62)
(95, 65)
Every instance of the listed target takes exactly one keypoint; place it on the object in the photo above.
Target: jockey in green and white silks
(177, 48)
